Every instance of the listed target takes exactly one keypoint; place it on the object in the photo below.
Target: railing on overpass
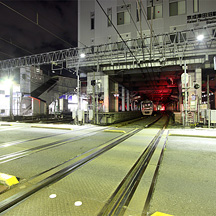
(165, 47)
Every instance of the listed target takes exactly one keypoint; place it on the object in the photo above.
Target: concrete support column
(128, 100)
(106, 93)
(123, 99)
(134, 105)
(116, 97)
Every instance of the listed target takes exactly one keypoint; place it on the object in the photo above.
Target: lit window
(109, 14)
(123, 15)
(92, 14)
(157, 7)
(195, 6)
(177, 7)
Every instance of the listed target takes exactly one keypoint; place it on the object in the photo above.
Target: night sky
(21, 37)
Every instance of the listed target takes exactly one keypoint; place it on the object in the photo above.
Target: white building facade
(134, 16)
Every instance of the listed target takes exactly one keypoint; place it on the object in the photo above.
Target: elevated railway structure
(147, 67)
(167, 49)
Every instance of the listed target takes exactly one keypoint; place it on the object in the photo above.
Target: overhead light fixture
(82, 55)
(200, 37)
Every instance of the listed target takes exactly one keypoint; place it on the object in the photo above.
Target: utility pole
(151, 29)
(81, 56)
(78, 94)
(208, 102)
(185, 70)
(93, 96)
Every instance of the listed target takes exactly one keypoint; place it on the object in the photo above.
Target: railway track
(118, 201)
(19, 154)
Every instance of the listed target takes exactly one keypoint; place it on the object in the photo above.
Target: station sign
(209, 17)
(186, 79)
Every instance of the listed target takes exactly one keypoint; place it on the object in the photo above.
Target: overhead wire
(117, 31)
(110, 21)
(144, 13)
(35, 23)
(135, 26)
(3, 53)
(150, 27)
(140, 32)
(145, 16)
(13, 44)
(54, 24)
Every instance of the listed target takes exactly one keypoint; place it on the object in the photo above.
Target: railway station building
(156, 49)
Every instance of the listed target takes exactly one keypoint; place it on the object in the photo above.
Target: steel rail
(25, 193)
(124, 192)
(19, 154)
(4, 145)
(153, 122)
(151, 189)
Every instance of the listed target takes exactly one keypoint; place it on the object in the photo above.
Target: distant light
(8, 82)
(78, 203)
(200, 37)
(82, 55)
(52, 196)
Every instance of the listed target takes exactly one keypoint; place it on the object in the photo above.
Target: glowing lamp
(200, 37)
(8, 82)
(82, 55)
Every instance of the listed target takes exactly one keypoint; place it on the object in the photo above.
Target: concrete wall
(115, 117)
(38, 107)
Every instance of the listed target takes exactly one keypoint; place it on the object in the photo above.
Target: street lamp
(8, 83)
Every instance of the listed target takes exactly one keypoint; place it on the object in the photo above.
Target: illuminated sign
(209, 17)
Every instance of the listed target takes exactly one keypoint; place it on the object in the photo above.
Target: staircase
(45, 86)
